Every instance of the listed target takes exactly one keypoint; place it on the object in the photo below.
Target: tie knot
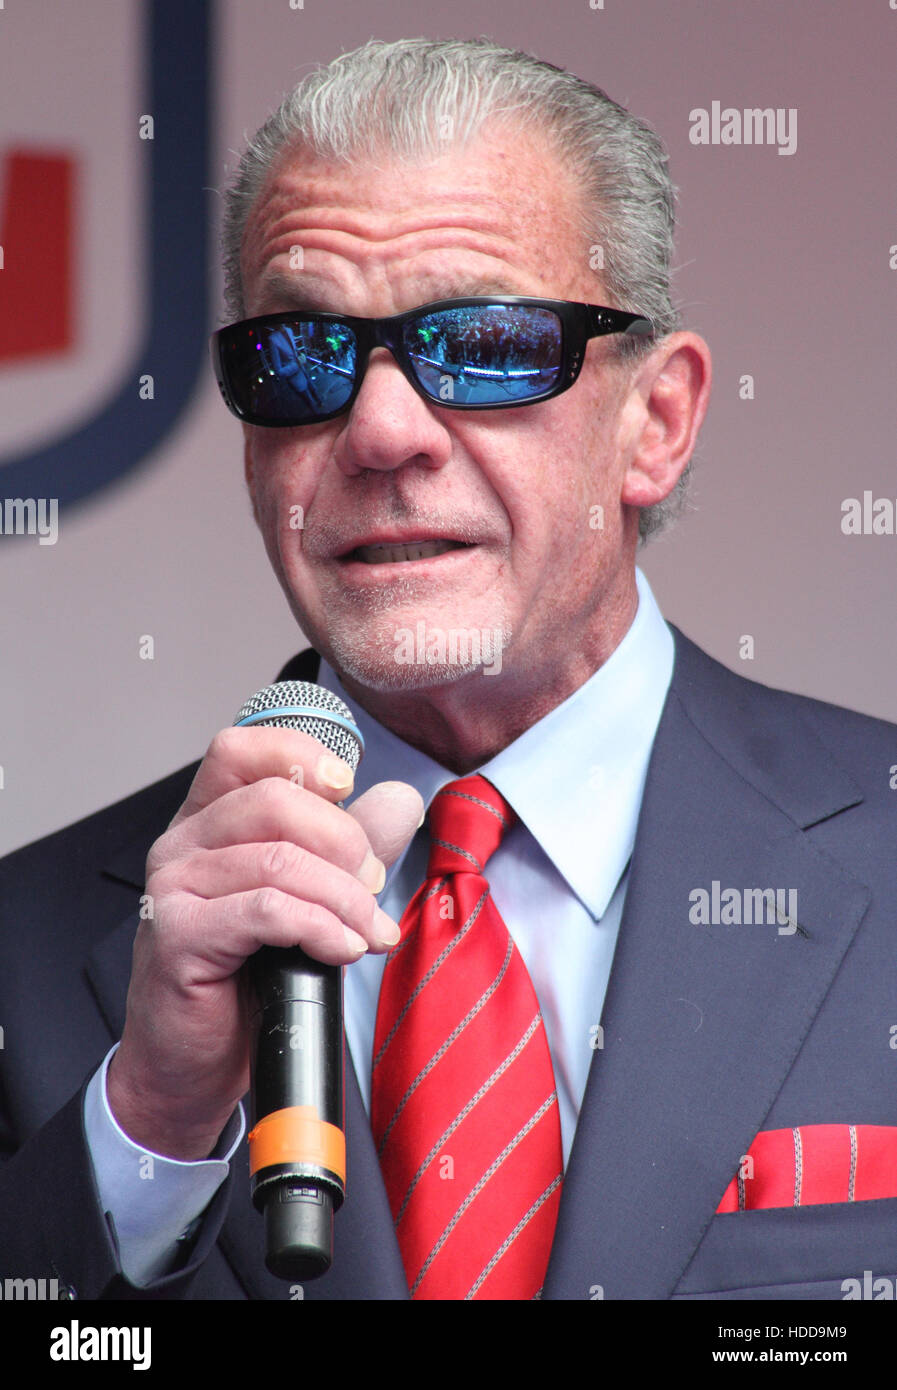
(467, 821)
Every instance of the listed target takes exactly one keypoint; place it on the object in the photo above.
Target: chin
(421, 657)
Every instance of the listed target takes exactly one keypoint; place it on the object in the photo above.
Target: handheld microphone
(297, 1146)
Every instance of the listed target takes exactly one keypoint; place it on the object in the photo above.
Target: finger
(274, 810)
(390, 813)
(220, 873)
(238, 757)
(225, 931)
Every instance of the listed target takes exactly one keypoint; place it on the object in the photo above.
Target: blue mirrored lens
(290, 371)
(482, 354)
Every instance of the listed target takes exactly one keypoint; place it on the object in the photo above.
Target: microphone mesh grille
(299, 700)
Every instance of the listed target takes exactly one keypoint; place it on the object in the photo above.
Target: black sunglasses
(481, 353)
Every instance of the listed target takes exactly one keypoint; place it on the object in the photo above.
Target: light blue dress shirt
(575, 780)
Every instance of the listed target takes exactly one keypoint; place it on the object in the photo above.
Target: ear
(661, 417)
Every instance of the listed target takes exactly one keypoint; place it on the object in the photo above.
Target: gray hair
(407, 99)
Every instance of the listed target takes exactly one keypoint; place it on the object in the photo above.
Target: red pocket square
(815, 1163)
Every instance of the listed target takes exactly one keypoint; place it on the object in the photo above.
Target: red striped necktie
(464, 1108)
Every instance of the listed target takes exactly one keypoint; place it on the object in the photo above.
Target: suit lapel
(109, 971)
(701, 1022)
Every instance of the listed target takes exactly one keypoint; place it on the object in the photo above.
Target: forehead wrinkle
(333, 189)
(431, 274)
(338, 202)
(365, 253)
(276, 229)
(337, 210)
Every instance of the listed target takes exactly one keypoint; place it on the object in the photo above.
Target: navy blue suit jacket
(711, 1033)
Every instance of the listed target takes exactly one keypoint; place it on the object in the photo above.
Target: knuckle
(222, 746)
(161, 881)
(160, 853)
(272, 793)
(280, 860)
(173, 876)
(267, 904)
(173, 924)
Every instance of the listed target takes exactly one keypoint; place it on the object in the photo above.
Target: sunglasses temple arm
(604, 321)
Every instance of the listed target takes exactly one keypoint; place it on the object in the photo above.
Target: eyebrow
(289, 292)
(462, 286)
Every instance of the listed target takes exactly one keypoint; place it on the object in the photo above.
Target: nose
(389, 425)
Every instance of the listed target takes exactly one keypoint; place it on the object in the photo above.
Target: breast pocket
(838, 1250)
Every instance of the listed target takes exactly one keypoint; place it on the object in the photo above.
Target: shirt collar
(576, 777)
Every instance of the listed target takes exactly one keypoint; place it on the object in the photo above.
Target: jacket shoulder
(699, 674)
(767, 729)
(103, 835)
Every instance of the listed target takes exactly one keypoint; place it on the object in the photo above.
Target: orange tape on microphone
(297, 1135)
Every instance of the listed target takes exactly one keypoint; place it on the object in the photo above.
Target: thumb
(389, 813)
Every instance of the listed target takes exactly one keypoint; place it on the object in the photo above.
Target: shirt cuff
(154, 1201)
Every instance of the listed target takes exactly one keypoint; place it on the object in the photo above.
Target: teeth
(394, 554)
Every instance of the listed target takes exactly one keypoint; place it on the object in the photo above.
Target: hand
(252, 858)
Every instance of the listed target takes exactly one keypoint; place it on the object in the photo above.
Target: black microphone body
(297, 1062)
(297, 1053)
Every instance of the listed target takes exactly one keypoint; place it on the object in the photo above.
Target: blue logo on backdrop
(114, 441)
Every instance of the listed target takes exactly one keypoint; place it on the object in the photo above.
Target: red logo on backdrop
(47, 219)
(37, 240)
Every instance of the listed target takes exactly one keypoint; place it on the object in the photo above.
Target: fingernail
(333, 772)
(423, 817)
(356, 944)
(372, 873)
(388, 932)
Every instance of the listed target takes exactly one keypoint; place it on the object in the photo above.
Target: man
(289, 363)
(666, 1090)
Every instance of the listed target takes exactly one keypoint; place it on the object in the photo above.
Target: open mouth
(391, 553)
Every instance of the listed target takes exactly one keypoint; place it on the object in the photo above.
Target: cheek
(550, 494)
(282, 490)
